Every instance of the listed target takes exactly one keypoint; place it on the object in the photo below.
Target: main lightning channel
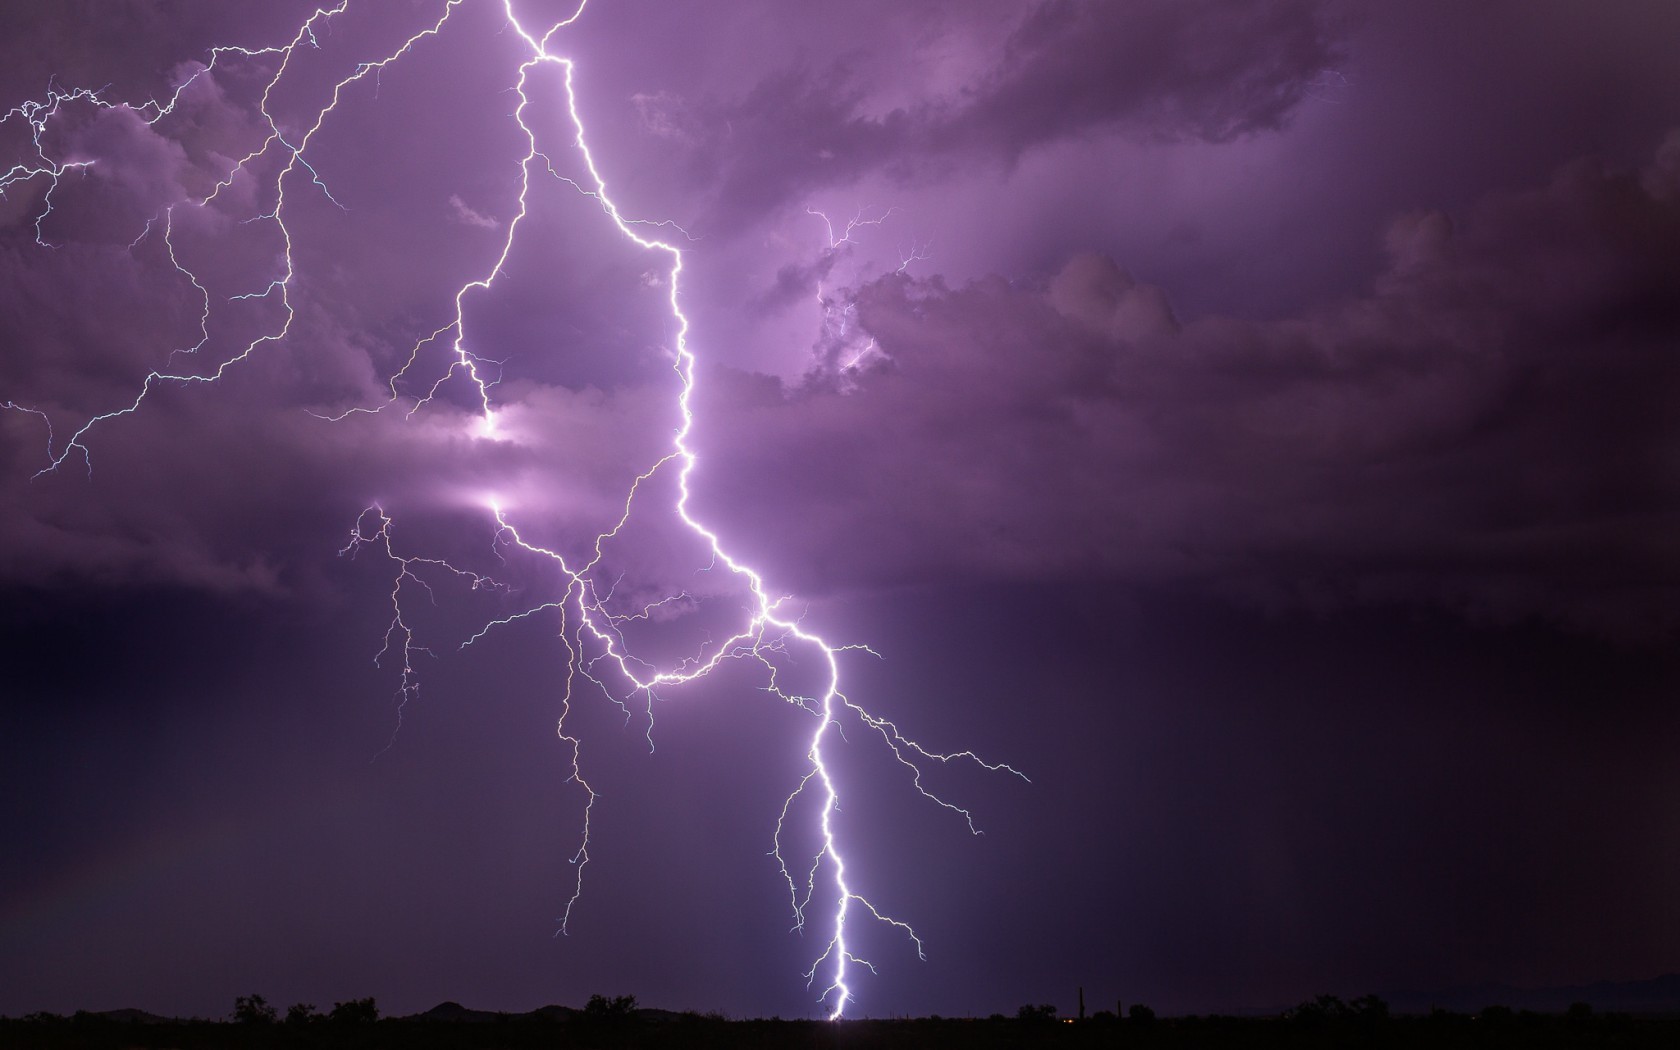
(765, 626)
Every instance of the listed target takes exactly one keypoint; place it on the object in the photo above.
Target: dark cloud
(1173, 70)
(1490, 428)
(1149, 69)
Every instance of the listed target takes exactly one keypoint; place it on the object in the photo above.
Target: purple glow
(1254, 420)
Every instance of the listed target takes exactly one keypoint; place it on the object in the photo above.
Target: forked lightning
(592, 629)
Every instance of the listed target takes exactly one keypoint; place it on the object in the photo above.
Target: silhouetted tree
(1040, 1013)
(253, 1009)
(300, 1013)
(616, 1008)
(356, 1011)
(1326, 1009)
(1140, 1015)
(1370, 1009)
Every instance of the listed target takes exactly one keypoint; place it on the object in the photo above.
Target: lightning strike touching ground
(594, 622)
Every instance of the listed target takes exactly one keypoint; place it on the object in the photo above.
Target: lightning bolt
(593, 620)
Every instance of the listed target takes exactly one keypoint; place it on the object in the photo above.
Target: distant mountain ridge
(453, 1012)
(134, 1016)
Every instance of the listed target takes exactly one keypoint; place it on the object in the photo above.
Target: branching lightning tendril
(592, 622)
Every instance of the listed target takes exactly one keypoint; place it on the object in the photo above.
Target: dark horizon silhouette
(618, 1020)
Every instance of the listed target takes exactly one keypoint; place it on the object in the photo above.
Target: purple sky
(1254, 422)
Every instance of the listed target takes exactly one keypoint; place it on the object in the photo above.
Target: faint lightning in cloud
(843, 344)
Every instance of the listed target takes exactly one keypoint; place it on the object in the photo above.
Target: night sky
(1257, 423)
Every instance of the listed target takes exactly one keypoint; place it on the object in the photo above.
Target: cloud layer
(1491, 427)
(1486, 426)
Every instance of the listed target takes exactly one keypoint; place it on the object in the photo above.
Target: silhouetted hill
(452, 1011)
(132, 1016)
(554, 1013)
